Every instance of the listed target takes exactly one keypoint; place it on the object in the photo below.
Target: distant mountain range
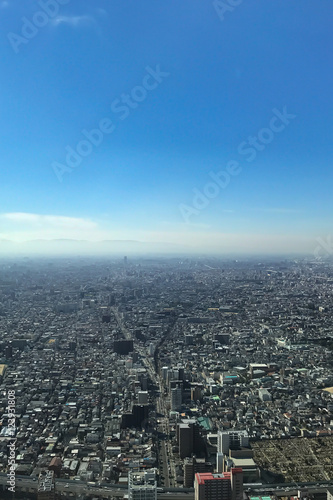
(85, 247)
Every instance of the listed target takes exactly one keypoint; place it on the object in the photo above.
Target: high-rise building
(237, 484)
(189, 339)
(226, 486)
(188, 438)
(192, 466)
(176, 398)
(227, 440)
(185, 439)
(142, 485)
(219, 462)
(165, 372)
(181, 373)
(143, 397)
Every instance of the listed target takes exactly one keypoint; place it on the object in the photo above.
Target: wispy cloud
(51, 220)
(21, 226)
(74, 21)
(279, 210)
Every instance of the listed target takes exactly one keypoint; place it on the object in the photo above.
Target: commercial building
(226, 486)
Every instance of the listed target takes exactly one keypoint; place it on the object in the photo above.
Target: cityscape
(166, 250)
(162, 377)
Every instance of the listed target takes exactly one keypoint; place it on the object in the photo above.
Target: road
(66, 486)
(111, 491)
(168, 465)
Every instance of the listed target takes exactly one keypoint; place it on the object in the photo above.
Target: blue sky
(221, 81)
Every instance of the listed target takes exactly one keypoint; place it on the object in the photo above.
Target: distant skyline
(164, 124)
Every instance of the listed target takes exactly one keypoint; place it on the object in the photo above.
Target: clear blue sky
(225, 78)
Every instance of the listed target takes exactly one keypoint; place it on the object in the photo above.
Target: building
(165, 373)
(192, 466)
(219, 462)
(9, 351)
(123, 346)
(188, 438)
(46, 486)
(251, 472)
(234, 452)
(222, 338)
(55, 466)
(231, 440)
(226, 486)
(176, 398)
(185, 440)
(264, 395)
(196, 392)
(142, 485)
(143, 397)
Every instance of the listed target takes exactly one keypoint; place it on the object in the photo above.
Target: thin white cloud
(279, 210)
(74, 21)
(102, 12)
(48, 220)
(4, 4)
(22, 226)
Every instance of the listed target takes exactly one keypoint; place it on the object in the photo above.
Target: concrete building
(226, 486)
(227, 440)
(264, 395)
(142, 485)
